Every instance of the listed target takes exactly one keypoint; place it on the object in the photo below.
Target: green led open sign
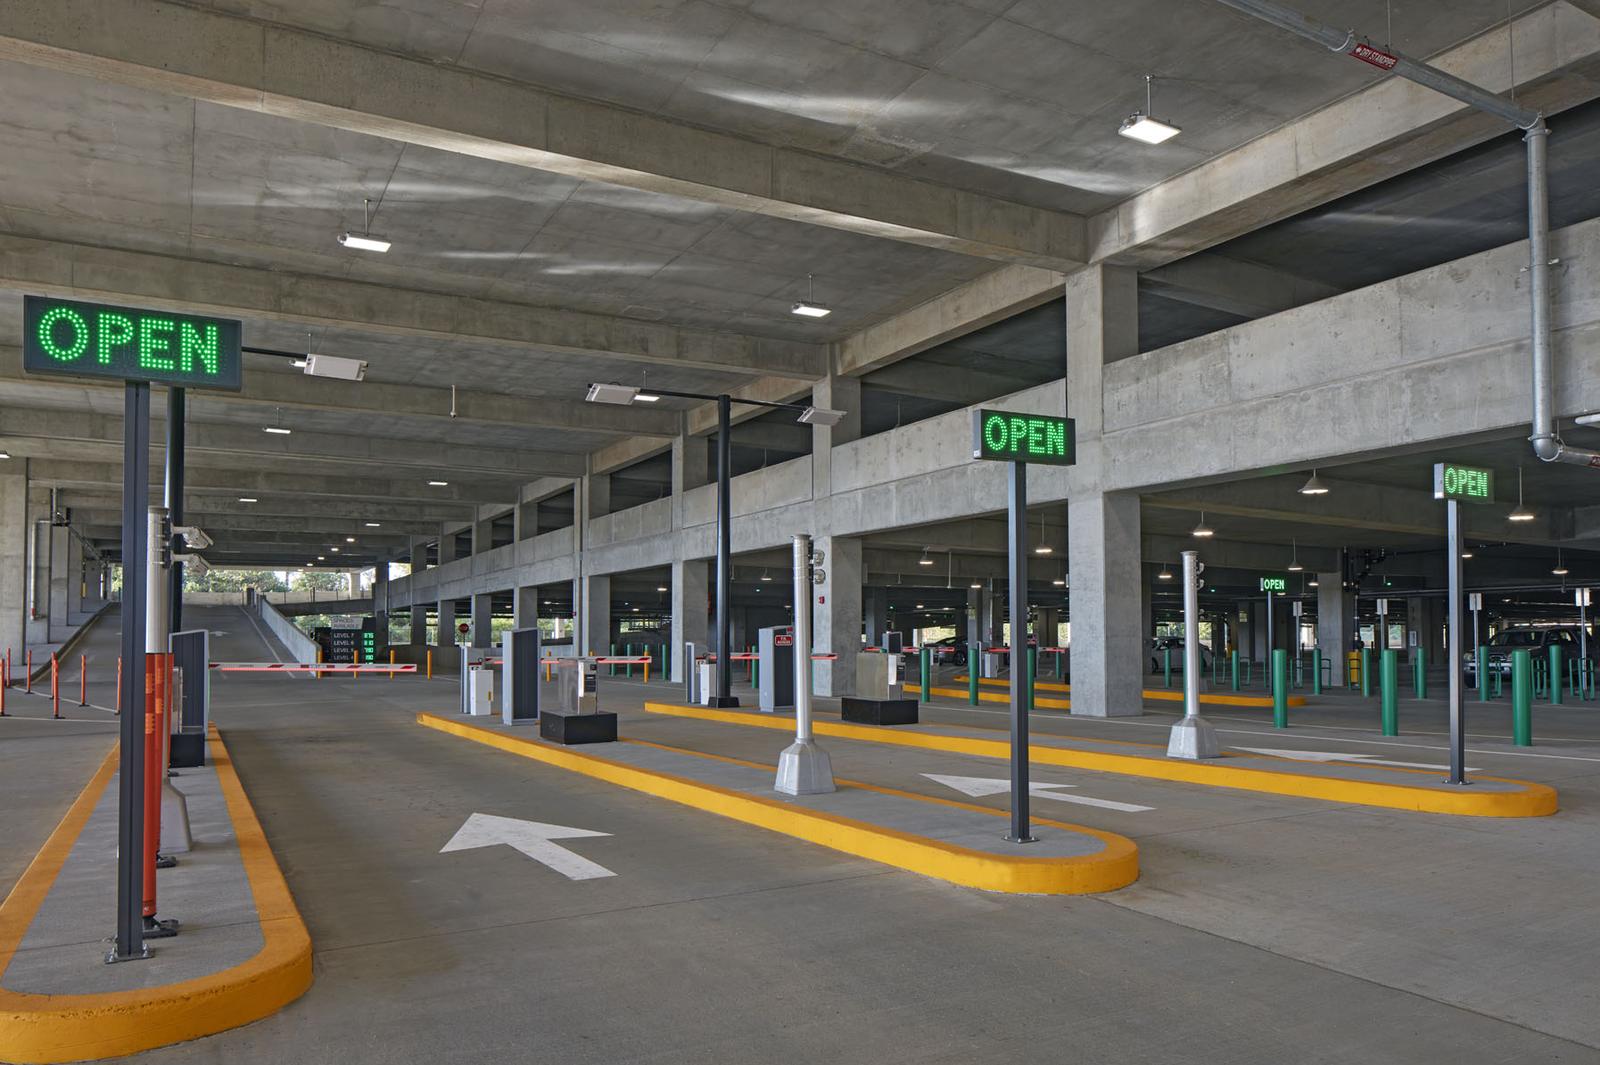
(1466, 484)
(1274, 584)
(93, 340)
(1007, 436)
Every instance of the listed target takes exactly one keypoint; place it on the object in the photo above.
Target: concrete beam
(1233, 286)
(1371, 135)
(103, 475)
(57, 434)
(399, 533)
(207, 55)
(63, 269)
(319, 508)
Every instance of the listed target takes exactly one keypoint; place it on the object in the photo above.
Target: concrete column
(37, 623)
(1416, 627)
(13, 560)
(380, 602)
(76, 592)
(836, 614)
(691, 594)
(596, 615)
(525, 606)
(597, 494)
(1103, 541)
(482, 619)
(419, 624)
(875, 608)
(1147, 604)
(447, 546)
(61, 545)
(447, 622)
(1336, 612)
(836, 393)
(1048, 621)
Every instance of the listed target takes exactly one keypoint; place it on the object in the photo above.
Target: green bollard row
(1166, 665)
(1366, 673)
(1482, 656)
(972, 678)
(1389, 683)
(1522, 698)
(1419, 674)
(1555, 674)
(1234, 657)
(925, 657)
(1316, 672)
(611, 669)
(1280, 688)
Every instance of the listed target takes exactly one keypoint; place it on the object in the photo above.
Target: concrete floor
(1263, 929)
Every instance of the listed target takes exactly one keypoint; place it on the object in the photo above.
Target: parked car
(1175, 644)
(1537, 642)
(949, 650)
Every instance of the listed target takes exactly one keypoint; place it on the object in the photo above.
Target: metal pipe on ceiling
(1547, 445)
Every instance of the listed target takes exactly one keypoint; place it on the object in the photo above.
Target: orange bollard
(27, 665)
(152, 785)
(391, 662)
(430, 663)
(2, 700)
(319, 662)
(55, 685)
(647, 669)
(83, 680)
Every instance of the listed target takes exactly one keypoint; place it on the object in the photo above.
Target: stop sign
(463, 628)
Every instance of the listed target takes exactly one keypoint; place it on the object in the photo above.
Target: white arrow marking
(531, 838)
(980, 786)
(1339, 756)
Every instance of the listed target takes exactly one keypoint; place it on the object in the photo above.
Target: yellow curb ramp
(60, 1028)
(1116, 866)
(1174, 695)
(1529, 799)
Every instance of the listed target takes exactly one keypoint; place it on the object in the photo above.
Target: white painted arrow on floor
(979, 786)
(1342, 756)
(532, 838)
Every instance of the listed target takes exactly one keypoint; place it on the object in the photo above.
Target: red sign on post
(1368, 54)
(463, 628)
(780, 640)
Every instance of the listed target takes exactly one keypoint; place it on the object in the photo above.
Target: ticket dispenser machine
(880, 692)
(775, 667)
(578, 717)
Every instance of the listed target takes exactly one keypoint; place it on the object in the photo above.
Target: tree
(233, 580)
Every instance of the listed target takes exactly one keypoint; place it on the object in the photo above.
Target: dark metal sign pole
(1458, 731)
(724, 551)
(130, 785)
(1017, 544)
(174, 501)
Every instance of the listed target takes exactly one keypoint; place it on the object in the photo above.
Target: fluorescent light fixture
(335, 550)
(806, 309)
(299, 364)
(1203, 531)
(438, 484)
(821, 416)
(615, 394)
(1560, 570)
(661, 587)
(1060, 582)
(364, 242)
(248, 499)
(374, 524)
(1522, 513)
(320, 558)
(349, 539)
(1314, 486)
(5, 454)
(646, 397)
(277, 430)
(1141, 127)
(926, 559)
(1044, 549)
(338, 368)
(1165, 574)
(1466, 554)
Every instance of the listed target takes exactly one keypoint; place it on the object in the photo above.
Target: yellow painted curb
(1114, 867)
(1530, 800)
(57, 1028)
(1156, 694)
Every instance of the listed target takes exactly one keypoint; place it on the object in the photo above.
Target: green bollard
(627, 652)
(1389, 683)
(927, 673)
(1555, 674)
(1419, 674)
(1522, 698)
(1234, 656)
(612, 667)
(1482, 656)
(1316, 672)
(972, 679)
(1166, 665)
(1366, 673)
(1280, 688)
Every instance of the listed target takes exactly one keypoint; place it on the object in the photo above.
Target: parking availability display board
(94, 340)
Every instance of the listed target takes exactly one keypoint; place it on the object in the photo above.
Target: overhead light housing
(1314, 486)
(1466, 554)
(821, 416)
(339, 369)
(374, 524)
(647, 397)
(926, 559)
(364, 240)
(613, 393)
(1522, 513)
(438, 484)
(1294, 559)
(1164, 575)
(809, 307)
(349, 539)
(1140, 126)
(299, 364)
(1060, 582)
(335, 550)
(1560, 570)
(277, 430)
(5, 454)
(248, 499)
(1202, 530)
(661, 587)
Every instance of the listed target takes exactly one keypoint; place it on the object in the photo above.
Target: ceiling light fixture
(248, 499)
(438, 484)
(1314, 486)
(926, 559)
(1294, 557)
(613, 393)
(335, 550)
(1522, 513)
(1140, 126)
(1561, 569)
(661, 587)
(1466, 554)
(1203, 531)
(374, 524)
(1165, 574)
(349, 539)
(277, 427)
(1042, 548)
(809, 307)
(364, 241)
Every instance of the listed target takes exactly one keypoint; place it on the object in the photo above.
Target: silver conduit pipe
(1546, 444)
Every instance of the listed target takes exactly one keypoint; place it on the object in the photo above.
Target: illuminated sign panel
(1006, 436)
(1274, 584)
(1468, 484)
(92, 340)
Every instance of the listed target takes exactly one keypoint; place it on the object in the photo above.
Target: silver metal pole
(1458, 732)
(803, 767)
(1017, 537)
(1192, 737)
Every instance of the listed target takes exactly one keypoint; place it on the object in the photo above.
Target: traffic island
(1392, 787)
(244, 952)
(952, 841)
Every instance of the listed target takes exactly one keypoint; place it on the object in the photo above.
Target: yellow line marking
(58, 1028)
(1529, 800)
(1165, 695)
(1115, 865)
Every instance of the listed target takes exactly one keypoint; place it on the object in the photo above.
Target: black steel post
(1017, 539)
(130, 785)
(174, 502)
(1453, 568)
(724, 561)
